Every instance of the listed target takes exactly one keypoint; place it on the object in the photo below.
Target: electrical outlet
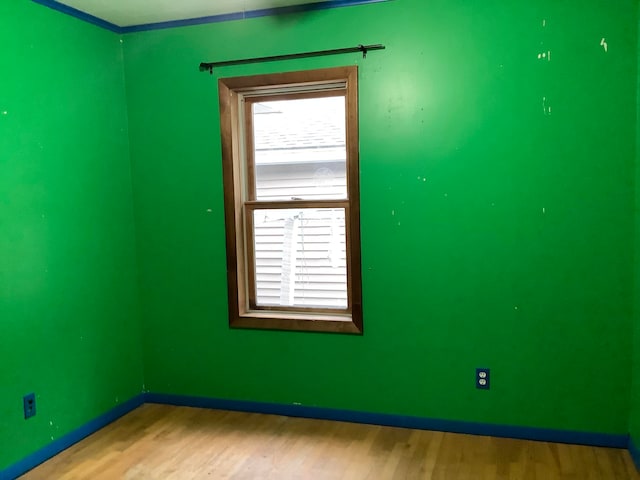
(29, 405)
(482, 378)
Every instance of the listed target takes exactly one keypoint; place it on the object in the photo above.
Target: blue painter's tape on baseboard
(635, 453)
(525, 433)
(455, 426)
(69, 439)
(74, 12)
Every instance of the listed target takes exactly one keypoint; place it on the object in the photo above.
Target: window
(291, 193)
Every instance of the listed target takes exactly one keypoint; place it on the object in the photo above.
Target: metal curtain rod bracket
(320, 53)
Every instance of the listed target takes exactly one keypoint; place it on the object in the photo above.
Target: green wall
(69, 327)
(497, 217)
(634, 413)
(516, 253)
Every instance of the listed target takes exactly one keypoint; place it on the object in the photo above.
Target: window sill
(296, 321)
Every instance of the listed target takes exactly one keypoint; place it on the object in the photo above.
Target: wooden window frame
(236, 96)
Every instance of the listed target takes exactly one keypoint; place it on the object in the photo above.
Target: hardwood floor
(164, 442)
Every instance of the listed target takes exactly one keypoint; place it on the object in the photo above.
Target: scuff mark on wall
(546, 55)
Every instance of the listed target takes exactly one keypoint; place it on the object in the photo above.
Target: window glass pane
(300, 256)
(299, 149)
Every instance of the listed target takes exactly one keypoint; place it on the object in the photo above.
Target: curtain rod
(320, 53)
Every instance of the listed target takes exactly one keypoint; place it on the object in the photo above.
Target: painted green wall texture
(634, 411)
(69, 328)
(497, 154)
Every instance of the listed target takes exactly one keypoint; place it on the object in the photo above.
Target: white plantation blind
(300, 153)
(301, 257)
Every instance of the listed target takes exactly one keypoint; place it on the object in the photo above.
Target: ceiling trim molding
(265, 12)
(74, 12)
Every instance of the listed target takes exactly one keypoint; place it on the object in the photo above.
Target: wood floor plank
(160, 442)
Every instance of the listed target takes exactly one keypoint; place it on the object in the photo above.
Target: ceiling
(128, 14)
